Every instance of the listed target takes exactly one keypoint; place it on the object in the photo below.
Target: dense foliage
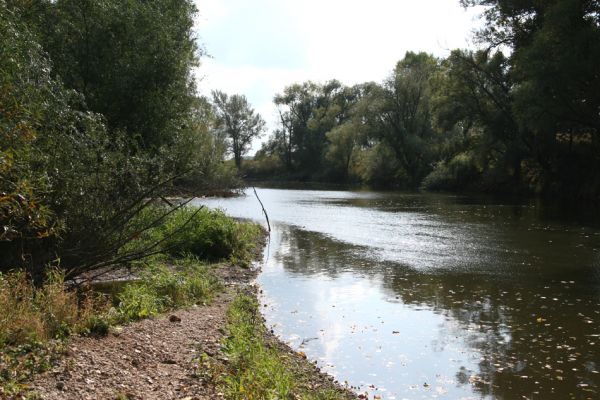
(98, 117)
(522, 113)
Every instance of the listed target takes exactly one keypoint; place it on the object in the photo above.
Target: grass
(161, 288)
(36, 321)
(260, 369)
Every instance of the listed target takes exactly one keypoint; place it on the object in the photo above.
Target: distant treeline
(522, 113)
(98, 118)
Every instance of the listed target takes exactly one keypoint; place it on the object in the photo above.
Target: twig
(263, 208)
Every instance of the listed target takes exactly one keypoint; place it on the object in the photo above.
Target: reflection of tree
(536, 338)
(313, 253)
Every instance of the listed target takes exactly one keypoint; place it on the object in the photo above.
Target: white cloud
(260, 47)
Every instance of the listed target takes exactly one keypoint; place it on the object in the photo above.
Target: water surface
(433, 296)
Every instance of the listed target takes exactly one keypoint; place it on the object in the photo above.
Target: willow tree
(238, 121)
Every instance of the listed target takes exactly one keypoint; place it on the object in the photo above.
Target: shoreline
(177, 355)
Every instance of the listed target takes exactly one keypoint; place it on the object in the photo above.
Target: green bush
(456, 174)
(203, 233)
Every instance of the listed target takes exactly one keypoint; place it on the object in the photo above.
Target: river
(420, 296)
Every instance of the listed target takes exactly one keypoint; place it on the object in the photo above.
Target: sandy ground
(150, 359)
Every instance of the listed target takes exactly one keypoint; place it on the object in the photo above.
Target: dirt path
(150, 359)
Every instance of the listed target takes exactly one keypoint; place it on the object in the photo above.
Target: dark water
(410, 296)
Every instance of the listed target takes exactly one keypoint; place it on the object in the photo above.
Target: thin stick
(263, 208)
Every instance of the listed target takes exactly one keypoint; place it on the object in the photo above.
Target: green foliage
(329, 130)
(204, 233)
(528, 121)
(459, 173)
(131, 60)
(343, 141)
(379, 167)
(161, 288)
(259, 370)
(71, 178)
(255, 371)
(554, 92)
(19, 364)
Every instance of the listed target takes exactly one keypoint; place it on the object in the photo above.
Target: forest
(521, 114)
(100, 115)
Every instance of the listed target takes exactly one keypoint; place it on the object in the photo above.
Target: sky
(257, 48)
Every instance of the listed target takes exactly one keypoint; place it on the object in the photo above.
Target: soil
(158, 358)
(150, 359)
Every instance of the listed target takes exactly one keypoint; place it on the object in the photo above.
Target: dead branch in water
(263, 208)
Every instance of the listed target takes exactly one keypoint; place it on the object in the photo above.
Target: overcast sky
(258, 47)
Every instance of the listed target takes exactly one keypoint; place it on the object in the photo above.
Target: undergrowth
(160, 288)
(207, 234)
(35, 321)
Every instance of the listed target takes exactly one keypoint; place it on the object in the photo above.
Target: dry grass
(29, 314)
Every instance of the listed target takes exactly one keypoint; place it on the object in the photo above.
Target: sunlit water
(410, 296)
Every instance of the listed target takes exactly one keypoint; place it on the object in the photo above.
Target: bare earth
(158, 358)
(150, 359)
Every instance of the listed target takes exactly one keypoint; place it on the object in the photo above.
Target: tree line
(520, 114)
(99, 117)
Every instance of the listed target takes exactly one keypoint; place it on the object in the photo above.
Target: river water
(421, 296)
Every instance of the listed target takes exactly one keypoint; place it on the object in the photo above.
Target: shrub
(206, 234)
(458, 173)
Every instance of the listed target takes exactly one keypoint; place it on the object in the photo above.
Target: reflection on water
(418, 296)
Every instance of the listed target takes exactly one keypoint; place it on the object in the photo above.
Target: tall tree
(132, 60)
(555, 48)
(296, 106)
(239, 122)
(399, 111)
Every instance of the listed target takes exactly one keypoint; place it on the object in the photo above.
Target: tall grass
(30, 314)
(255, 372)
(31, 317)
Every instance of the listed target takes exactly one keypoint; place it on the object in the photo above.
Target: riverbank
(186, 354)
(166, 336)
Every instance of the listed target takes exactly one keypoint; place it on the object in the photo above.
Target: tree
(399, 114)
(72, 180)
(239, 122)
(343, 140)
(307, 112)
(555, 47)
(296, 105)
(132, 60)
(472, 106)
